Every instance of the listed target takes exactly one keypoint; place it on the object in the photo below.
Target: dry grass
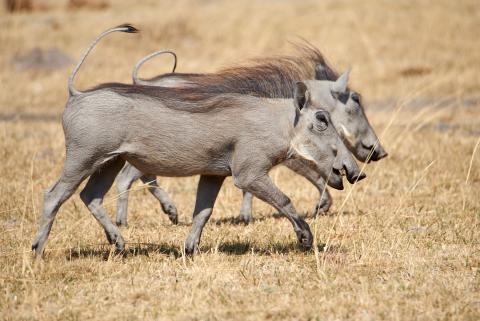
(404, 246)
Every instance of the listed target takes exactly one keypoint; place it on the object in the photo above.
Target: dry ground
(401, 245)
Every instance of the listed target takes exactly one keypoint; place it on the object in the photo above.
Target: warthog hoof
(305, 238)
(117, 239)
(37, 248)
(171, 211)
(191, 247)
(304, 235)
(121, 223)
(323, 206)
(245, 218)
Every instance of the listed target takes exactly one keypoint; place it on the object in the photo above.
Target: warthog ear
(301, 96)
(340, 85)
(321, 72)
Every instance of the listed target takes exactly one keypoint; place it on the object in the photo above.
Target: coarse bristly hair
(193, 100)
(270, 77)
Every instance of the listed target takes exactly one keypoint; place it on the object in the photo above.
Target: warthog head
(317, 140)
(347, 115)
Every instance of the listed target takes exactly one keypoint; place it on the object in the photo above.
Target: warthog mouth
(337, 172)
(342, 172)
(336, 178)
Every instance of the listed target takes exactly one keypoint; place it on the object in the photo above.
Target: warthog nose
(359, 177)
(354, 177)
(379, 153)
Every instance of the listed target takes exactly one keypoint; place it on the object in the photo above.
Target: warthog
(185, 132)
(270, 78)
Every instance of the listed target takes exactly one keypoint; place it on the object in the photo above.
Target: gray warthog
(185, 132)
(271, 78)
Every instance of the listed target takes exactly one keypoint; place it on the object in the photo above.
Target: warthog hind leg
(74, 172)
(54, 198)
(127, 176)
(93, 194)
(165, 201)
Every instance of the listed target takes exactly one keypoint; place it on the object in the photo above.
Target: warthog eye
(341, 96)
(322, 121)
(355, 98)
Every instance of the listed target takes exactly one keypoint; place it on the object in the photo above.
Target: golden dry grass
(401, 245)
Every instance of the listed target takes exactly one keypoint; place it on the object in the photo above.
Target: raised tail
(123, 28)
(148, 57)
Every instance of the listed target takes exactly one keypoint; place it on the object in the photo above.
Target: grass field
(401, 245)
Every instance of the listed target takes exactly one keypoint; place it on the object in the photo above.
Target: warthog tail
(150, 56)
(123, 28)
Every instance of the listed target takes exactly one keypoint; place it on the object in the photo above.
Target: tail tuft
(128, 28)
(123, 28)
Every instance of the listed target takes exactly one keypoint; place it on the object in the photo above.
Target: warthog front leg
(263, 188)
(127, 176)
(93, 194)
(325, 202)
(314, 177)
(208, 188)
(246, 210)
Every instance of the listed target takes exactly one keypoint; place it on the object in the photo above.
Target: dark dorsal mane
(192, 100)
(273, 77)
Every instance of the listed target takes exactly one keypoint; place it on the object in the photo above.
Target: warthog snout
(356, 176)
(350, 169)
(377, 154)
(345, 165)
